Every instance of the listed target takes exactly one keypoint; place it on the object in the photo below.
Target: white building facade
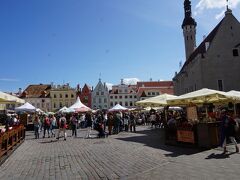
(100, 96)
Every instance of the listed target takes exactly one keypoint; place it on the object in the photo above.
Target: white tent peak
(118, 107)
(26, 107)
(79, 106)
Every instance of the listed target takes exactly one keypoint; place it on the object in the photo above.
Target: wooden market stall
(202, 124)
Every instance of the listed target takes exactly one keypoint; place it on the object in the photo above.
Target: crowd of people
(106, 123)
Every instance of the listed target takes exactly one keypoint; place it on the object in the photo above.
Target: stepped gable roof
(86, 88)
(201, 49)
(38, 91)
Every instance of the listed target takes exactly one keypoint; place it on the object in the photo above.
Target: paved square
(141, 155)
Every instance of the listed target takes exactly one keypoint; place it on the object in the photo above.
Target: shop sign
(185, 136)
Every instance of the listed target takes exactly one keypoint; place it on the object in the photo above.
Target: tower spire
(189, 29)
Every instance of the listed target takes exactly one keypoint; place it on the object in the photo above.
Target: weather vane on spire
(227, 4)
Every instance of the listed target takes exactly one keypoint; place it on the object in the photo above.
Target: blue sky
(74, 41)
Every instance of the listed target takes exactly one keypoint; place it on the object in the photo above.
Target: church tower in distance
(189, 29)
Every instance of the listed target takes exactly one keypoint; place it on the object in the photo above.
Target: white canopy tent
(118, 107)
(27, 107)
(7, 98)
(78, 106)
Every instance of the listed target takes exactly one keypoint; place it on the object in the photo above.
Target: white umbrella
(7, 98)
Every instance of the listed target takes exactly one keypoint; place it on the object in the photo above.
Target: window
(111, 97)
(54, 105)
(66, 104)
(72, 96)
(111, 104)
(105, 100)
(235, 52)
(66, 95)
(220, 85)
(116, 97)
(149, 94)
(97, 93)
(157, 93)
(153, 93)
(54, 96)
(126, 90)
(102, 93)
(120, 103)
(94, 100)
(120, 97)
(120, 91)
(60, 105)
(60, 95)
(135, 96)
(130, 96)
(115, 103)
(126, 103)
(131, 104)
(126, 97)
(100, 100)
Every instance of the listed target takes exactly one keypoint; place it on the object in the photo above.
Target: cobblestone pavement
(140, 155)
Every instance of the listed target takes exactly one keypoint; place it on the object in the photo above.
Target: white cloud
(109, 86)
(8, 80)
(203, 5)
(130, 81)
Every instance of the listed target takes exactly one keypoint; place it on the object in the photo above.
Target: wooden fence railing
(11, 138)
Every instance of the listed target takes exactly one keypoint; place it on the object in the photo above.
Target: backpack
(47, 122)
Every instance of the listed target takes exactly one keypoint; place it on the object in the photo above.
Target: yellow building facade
(62, 96)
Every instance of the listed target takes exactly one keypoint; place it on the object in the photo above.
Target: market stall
(27, 114)
(201, 124)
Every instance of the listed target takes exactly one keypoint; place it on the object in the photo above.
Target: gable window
(235, 52)
(220, 85)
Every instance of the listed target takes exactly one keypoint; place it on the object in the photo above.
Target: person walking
(228, 130)
(110, 124)
(53, 124)
(46, 126)
(62, 127)
(74, 122)
(132, 123)
(88, 119)
(36, 127)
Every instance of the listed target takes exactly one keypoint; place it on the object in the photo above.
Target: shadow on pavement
(218, 156)
(51, 141)
(155, 138)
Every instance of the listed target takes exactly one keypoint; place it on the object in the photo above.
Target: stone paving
(141, 155)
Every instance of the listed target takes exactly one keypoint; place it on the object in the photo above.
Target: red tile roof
(155, 84)
(37, 91)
